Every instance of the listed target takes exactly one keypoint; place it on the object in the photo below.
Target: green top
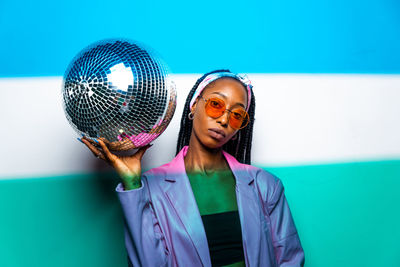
(215, 192)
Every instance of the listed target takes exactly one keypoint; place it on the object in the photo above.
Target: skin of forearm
(130, 182)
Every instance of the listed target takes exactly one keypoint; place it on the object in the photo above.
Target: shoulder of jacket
(157, 172)
(266, 183)
(260, 174)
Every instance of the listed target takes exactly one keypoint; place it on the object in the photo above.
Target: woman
(207, 206)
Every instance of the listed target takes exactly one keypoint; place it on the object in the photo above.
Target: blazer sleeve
(144, 241)
(286, 241)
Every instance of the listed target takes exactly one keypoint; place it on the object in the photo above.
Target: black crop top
(224, 237)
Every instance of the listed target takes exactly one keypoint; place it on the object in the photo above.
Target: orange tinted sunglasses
(216, 107)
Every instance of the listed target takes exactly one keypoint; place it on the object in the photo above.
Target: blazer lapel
(182, 198)
(249, 212)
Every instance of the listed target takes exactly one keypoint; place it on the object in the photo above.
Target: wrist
(131, 182)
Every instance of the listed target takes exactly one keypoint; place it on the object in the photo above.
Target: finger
(96, 152)
(93, 142)
(105, 141)
(110, 156)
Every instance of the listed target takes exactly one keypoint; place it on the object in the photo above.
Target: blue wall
(39, 38)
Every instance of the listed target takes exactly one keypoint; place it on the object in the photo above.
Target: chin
(214, 144)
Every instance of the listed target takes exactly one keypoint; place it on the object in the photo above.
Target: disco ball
(119, 90)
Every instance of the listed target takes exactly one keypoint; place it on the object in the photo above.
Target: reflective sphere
(119, 90)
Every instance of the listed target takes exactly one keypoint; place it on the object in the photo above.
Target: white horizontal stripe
(307, 119)
(300, 119)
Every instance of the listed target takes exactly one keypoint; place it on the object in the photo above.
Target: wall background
(326, 80)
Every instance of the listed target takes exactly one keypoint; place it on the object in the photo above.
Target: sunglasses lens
(238, 118)
(215, 107)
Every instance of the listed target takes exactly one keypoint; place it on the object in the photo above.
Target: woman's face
(205, 128)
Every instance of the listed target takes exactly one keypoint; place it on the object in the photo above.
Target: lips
(216, 133)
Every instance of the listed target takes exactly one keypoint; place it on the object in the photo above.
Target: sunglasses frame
(230, 112)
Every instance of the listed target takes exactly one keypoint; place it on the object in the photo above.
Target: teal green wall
(61, 221)
(346, 215)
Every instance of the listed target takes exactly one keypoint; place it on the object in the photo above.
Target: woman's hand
(128, 167)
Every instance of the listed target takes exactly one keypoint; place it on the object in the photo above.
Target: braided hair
(240, 148)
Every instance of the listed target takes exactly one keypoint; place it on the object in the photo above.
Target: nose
(224, 118)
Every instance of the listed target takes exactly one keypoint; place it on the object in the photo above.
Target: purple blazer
(163, 226)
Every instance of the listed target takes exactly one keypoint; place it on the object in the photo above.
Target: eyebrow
(224, 96)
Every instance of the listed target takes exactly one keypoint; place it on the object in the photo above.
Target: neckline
(218, 214)
(237, 168)
(208, 172)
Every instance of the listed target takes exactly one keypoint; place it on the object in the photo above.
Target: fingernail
(95, 139)
(80, 140)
